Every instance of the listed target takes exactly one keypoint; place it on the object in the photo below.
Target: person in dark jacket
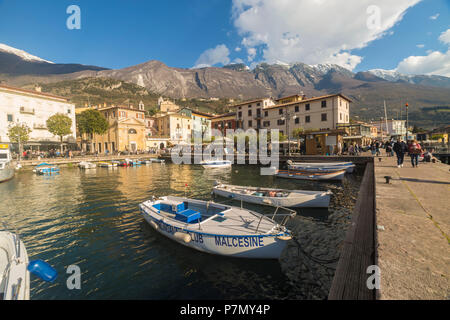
(400, 148)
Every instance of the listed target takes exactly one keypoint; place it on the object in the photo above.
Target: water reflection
(91, 218)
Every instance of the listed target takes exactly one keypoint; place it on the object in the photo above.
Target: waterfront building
(323, 142)
(127, 130)
(390, 128)
(223, 122)
(318, 113)
(34, 108)
(153, 140)
(201, 122)
(176, 127)
(357, 133)
(247, 110)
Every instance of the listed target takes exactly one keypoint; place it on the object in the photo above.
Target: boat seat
(188, 216)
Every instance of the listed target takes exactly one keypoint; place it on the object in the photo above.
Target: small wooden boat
(45, 168)
(87, 165)
(216, 228)
(107, 164)
(275, 197)
(14, 276)
(216, 163)
(311, 175)
(321, 166)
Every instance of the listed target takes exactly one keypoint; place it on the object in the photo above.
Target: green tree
(91, 122)
(20, 134)
(60, 125)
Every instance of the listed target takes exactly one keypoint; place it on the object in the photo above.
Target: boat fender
(182, 237)
(284, 238)
(43, 270)
(154, 225)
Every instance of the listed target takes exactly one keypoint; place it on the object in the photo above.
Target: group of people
(413, 148)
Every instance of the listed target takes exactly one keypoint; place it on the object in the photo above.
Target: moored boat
(14, 276)
(275, 197)
(103, 164)
(45, 168)
(216, 228)
(158, 160)
(6, 168)
(321, 166)
(216, 163)
(311, 175)
(87, 165)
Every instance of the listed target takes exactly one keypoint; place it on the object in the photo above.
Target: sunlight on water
(91, 218)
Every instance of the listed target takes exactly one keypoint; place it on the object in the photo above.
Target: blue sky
(186, 33)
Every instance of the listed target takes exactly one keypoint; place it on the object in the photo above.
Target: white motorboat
(275, 197)
(158, 161)
(6, 168)
(321, 166)
(14, 276)
(87, 165)
(311, 175)
(216, 228)
(216, 163)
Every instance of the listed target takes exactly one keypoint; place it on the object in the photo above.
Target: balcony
(258, 116)
(25, 110)
(39, 126)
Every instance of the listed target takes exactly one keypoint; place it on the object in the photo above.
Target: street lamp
(406, 105)
(287, 117)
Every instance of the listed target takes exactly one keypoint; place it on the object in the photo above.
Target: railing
(26, 110)
(39, 126)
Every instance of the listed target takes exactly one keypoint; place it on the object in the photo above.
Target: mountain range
(367, 90)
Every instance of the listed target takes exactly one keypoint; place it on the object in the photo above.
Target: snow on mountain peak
(22, 54)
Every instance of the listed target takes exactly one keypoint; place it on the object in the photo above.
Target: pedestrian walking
(414, 150)
(400, 148)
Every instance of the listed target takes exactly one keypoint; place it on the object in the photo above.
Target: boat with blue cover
(218, 228)
(45, 168)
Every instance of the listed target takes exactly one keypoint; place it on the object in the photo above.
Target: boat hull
(17, 275)
(324, 167)
(216, 164)
(243, 246)
(339, 175)
(319, 200)
(7, 173)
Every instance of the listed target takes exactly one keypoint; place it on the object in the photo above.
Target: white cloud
(237, 49)
(445, 37)
(251, 54)
(213, 56)
(238, 60)
(315, 31)
(435, 63)
(435, 16)
(420, 46)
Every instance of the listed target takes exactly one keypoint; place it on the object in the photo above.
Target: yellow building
(126, 130)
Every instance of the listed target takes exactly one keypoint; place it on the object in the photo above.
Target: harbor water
(90, 218)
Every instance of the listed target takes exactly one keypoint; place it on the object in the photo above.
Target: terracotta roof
(247, 102)
(48, 95)
(294, 95)
(229, 114)
(307, 100)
